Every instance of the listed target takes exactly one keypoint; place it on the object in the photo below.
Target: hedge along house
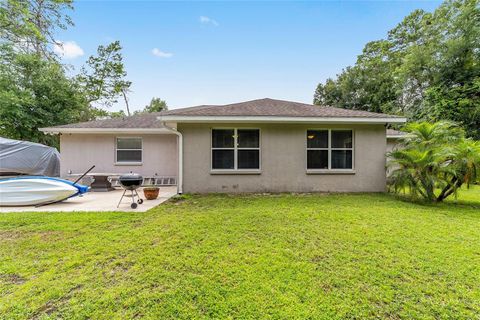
(262, 145)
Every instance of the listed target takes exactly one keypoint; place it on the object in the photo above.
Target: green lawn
(220, 256)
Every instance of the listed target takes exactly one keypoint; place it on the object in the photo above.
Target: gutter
(180, 156)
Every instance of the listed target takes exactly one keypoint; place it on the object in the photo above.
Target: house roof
(137, 124)
(148, 120)
(395, 134)
(261, 110)
(273, 108)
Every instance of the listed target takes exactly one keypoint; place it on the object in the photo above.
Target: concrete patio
(100, 201)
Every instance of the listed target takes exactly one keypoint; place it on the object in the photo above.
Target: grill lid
(130, 177)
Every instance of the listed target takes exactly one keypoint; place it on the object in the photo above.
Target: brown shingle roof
(395, 133)
(274, 108)
(260, 107)
(148, 120)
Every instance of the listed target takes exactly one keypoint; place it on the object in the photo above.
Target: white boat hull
(33, 191)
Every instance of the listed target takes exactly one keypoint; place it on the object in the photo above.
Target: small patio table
(100, 181)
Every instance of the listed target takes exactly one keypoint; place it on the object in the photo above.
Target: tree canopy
(35, 90)
(30, 25)
(35, 93)
(427, 68)
(103, 77)
(155, 105)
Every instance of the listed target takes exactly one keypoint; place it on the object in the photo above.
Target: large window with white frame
(128, 150)
(330, 149)
(236, 149)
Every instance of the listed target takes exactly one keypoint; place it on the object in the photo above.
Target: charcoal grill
(131, 182)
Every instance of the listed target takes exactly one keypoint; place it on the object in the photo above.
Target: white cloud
(159, 53)
(207, 20)
(68, 49)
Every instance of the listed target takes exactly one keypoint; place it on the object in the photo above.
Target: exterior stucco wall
(391, 143)
(80, 151)
(283, 161)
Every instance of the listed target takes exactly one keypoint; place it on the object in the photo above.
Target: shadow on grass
(449, 203)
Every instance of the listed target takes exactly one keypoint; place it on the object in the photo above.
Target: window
(235, 149)
(329, 149)
(128, 150)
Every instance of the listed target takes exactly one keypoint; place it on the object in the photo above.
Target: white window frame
(330, 149)
(235, 151)
(127, 163)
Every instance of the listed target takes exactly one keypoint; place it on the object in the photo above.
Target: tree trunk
(126, 101)
(38, 22)
(449, 189)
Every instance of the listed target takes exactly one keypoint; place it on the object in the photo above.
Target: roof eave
(54, 130)
(279, 119)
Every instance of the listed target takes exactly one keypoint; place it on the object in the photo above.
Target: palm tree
(416, 171)
(434, 157)
(464, 167)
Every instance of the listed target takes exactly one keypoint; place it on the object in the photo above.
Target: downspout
(180, 157)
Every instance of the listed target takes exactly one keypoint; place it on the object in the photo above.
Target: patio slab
(100, 201)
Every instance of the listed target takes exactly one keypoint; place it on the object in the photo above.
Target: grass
(220, 256)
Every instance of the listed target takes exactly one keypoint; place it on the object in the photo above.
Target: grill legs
(134, 194)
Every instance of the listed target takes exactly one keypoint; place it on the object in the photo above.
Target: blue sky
(191, 53)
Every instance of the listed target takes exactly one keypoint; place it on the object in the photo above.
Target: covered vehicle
(28, 158)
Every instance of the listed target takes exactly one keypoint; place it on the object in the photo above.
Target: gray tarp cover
(28, 158)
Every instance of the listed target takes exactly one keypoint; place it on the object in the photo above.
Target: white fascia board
(106, 130)
(395, 136)
(254, 119)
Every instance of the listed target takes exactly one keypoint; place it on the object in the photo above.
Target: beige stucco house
(262, 145)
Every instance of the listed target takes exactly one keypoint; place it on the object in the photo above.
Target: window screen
(129, 150)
